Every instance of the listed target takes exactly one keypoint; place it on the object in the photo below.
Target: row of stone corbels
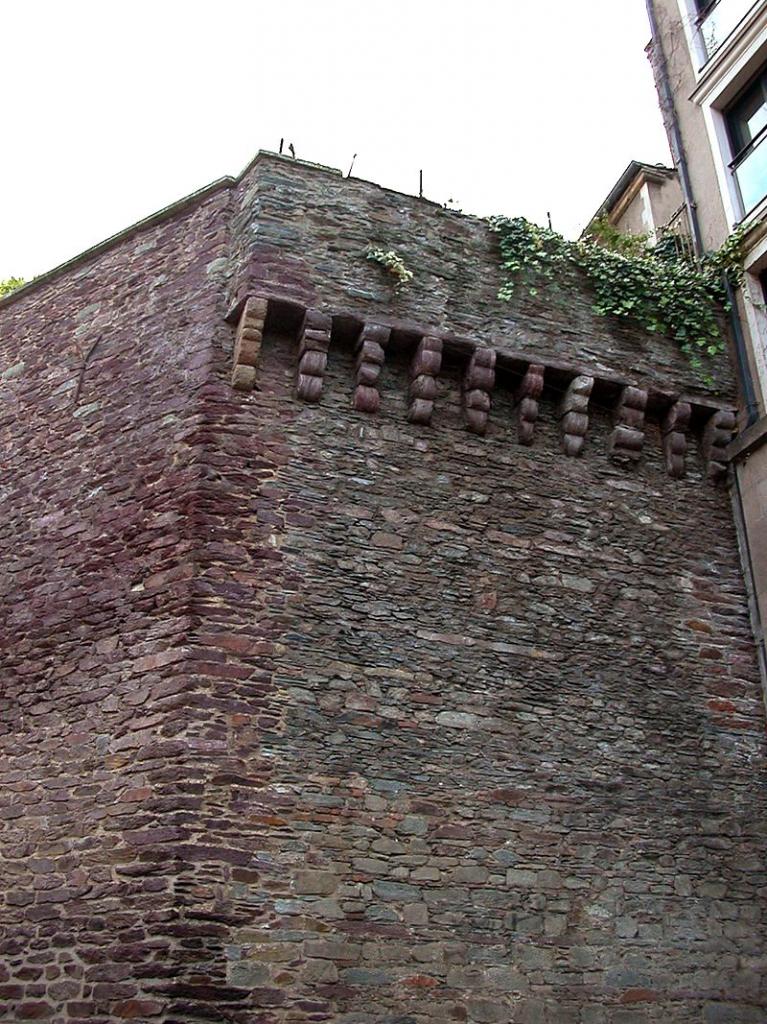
(626, 440)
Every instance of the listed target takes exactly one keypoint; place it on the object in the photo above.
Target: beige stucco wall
(651, 207)
(632, 220)
(705, 184)
(665, 199)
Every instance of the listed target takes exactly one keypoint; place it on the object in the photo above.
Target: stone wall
(98, 433)
(302, 237)
(316, 715)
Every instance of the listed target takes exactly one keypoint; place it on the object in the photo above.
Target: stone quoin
(369, 655)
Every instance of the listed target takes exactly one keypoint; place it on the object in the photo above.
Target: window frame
(704, 8)
(740, 149)
(758, 84)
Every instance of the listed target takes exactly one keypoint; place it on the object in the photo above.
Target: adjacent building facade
(646, 200)
(710, 65)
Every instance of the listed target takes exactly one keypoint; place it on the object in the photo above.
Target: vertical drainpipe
(676, 144)
(745, 380)
(679, 156)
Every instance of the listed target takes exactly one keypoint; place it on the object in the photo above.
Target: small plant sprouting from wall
(658, 288)
(393, 264)
(10, 285)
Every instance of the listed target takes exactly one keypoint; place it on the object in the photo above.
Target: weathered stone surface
(247, 343)
(426, 364)
(370, 352)
(313, 344)
(317, 882)
(627, 438)
(478, 386)
(674, 430)
(574, 415)
(716, 436)
(527, 397)
(310, 716)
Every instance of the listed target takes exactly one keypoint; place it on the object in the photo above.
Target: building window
(718, 19)
(747, 128)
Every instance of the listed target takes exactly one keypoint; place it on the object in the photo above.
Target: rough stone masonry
(368, 656)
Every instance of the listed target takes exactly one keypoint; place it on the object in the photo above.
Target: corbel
(574, 414)
(527, 396)
(370, 355)
(627, 438)
(247, 343)
(674, 432)
(426, 364)
(478, 384)
(313, 344)
(717, 434)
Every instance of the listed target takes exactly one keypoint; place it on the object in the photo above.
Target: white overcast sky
(113, 109)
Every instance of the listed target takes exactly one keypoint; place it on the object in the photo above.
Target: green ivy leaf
(658, 287)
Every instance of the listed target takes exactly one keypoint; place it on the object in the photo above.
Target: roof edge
(657, 172)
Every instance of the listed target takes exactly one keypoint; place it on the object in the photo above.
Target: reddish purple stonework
(332, 689)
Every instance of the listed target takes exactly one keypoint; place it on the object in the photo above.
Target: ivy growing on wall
(659, 288)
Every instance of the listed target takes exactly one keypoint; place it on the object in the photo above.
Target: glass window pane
(757, 121)
(719, 20)
(752, 176)
(748, 117)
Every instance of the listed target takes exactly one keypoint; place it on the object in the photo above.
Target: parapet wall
(363, 691)
(301, 232)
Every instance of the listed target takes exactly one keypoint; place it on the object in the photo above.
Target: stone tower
(367, 656)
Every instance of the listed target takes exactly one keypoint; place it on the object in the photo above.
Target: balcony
(750, 169)
(718, 21)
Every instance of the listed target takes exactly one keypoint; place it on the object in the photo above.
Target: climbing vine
(660, 287)
(393, 263)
